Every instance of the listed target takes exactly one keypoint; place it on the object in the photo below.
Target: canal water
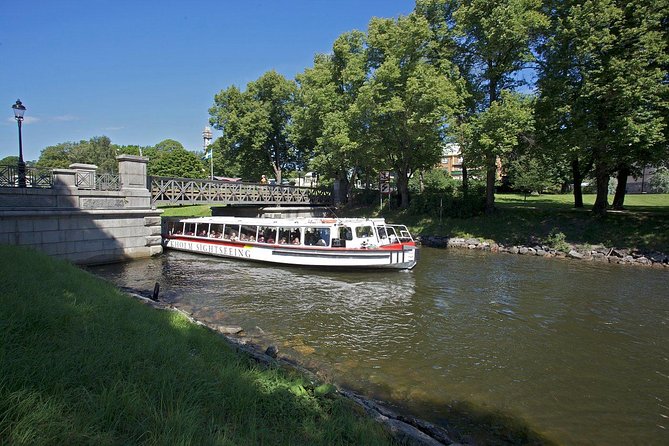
(570, 352)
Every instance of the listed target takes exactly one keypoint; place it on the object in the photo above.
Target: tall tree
(327, 114)
(495, 39)
(178, 162)
(98, 151)
(408, 102)
(609, 59)
(254, 124)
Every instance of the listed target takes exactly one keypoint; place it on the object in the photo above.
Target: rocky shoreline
(406, 429)
(597, 253)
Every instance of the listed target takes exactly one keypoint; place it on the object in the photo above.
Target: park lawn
(82, 363)
(519, 221)
(199, 210)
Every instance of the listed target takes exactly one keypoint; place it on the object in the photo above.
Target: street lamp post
(19, 110)
(206, 135)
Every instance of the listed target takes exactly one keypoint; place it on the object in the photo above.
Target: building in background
(451, 160)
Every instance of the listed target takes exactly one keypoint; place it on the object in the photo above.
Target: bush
(558, 241)
(364, 197)
(659, 183)
(449, 201)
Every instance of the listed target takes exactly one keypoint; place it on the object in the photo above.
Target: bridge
(176, 191)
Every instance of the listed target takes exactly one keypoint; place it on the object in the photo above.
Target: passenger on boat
(296, 241)
(261, 239)
(282, 241)
(321, 242)
(270, 240)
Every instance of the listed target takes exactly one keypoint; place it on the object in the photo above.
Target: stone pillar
(132, 173)
(132, 170)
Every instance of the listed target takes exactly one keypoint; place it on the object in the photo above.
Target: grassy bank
(643, 225)
(523, 220)
(80, 363)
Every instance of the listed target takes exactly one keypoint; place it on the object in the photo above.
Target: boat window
(248, 233)
(231, 232)
(175, 227)
(284, 235)
(267, 234)
(189, 229)
(295, 237)
(363, 231)
(317, 236)
(216, 230)
(345, 233)
(382, 232)
(202, 229)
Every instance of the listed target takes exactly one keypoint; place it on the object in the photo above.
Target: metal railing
(35, 177)
(89, 179)
(165, 190)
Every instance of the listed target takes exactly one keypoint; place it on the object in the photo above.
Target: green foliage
(659, 183)
(255, 125)
(434, 180)
(82, 363)
(558, 241)
(327, 115)
(526, 174)
(12, 160)
(449, 201)
(98, 151)
(603, 84)
(410, 102)
(178, 162)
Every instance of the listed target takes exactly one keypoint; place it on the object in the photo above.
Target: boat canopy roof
(295, 221)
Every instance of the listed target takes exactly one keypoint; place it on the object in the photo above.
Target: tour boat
(354, 243)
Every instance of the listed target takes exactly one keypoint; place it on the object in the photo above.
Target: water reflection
(575, 350)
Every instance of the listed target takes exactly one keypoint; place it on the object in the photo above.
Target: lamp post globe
(19, 110)
(206, 136)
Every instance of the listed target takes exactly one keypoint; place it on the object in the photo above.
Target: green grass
(200, 210)
(81, 363)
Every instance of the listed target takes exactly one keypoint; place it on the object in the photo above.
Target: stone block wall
(85, 226)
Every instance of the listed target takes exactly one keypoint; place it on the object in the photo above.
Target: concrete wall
(81, 224)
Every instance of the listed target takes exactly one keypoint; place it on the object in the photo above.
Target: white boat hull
(397, 257)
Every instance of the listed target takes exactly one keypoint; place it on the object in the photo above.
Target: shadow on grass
(81, 363)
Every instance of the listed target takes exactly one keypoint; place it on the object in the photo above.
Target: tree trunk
(621, 188)
(350, 186)
(465, 180)
(602, 200)
(491, 170)
(578, 179)
(403, 188)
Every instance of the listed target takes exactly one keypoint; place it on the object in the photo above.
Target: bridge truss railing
(174, 191)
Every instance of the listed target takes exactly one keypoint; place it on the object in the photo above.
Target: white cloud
(65, 118)
(26, 120)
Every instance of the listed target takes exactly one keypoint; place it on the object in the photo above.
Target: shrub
(659, 183)
(449, 201)
(558, 241)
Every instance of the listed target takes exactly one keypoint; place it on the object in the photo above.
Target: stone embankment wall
(593, 253)
(75, 221)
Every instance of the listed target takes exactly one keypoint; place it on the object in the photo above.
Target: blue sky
(143, 71)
